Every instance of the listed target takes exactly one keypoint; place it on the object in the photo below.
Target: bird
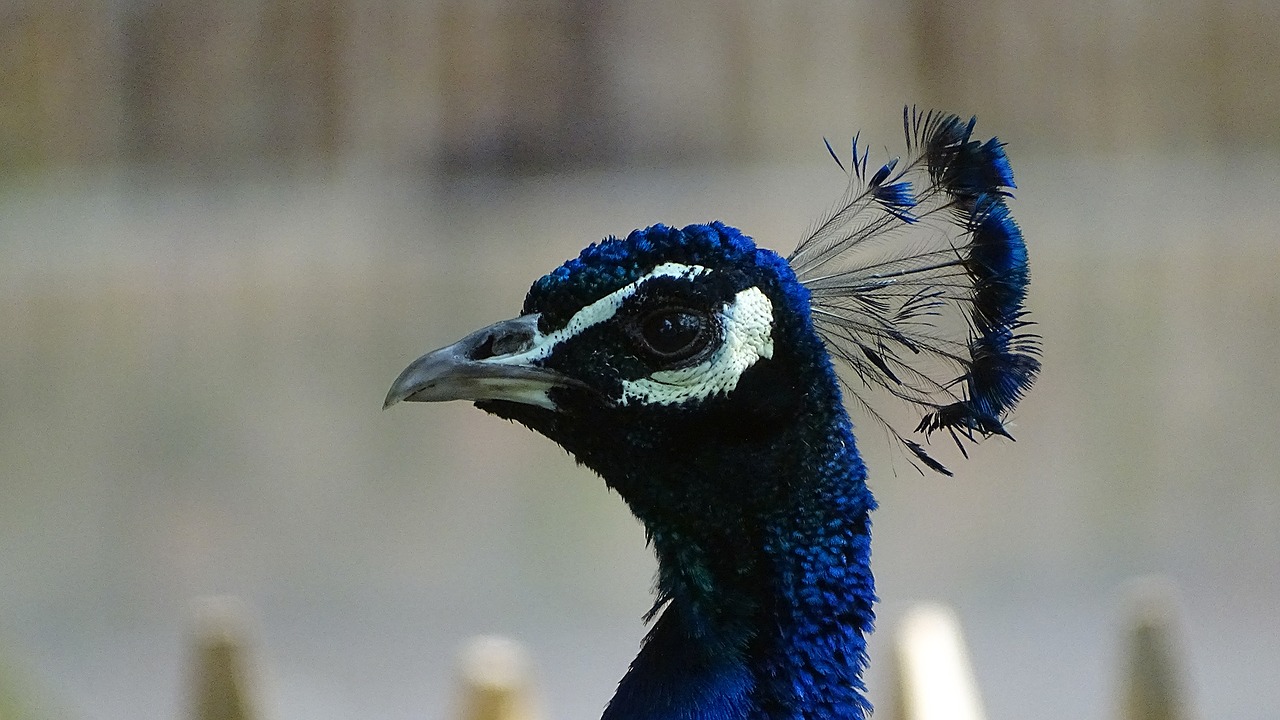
(709, 381)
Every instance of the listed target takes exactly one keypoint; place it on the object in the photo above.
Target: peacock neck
(764, 576)
(757, 508)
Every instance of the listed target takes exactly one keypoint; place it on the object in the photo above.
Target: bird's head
(693, 371)
(649, 358)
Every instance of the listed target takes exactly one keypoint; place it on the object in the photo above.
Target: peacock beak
(494, 363)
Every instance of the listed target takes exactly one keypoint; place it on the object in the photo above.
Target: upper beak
(489, 364)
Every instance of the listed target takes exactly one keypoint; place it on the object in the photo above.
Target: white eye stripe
(748, 336)
(747, 323)
(600, 311)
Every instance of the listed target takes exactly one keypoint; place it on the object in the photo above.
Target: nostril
(509, 337)
(512, 342)
(483, 350)
(501, 342)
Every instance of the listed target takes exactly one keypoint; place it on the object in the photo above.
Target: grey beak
(489, 364)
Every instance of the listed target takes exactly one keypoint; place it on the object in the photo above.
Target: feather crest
(917, 281)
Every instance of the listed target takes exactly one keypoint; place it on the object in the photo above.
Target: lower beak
(489, 364)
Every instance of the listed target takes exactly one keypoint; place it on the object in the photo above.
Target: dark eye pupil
(669, 332)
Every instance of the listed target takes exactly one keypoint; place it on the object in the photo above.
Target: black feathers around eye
(673, 336)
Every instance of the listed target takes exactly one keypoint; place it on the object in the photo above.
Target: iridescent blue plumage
(937, 322)
(694, 372)
(614, 262)
(755, 502)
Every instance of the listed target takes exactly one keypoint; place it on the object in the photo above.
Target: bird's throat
(758, 511)
(768, 598)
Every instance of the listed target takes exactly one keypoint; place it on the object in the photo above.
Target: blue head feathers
(936, 321)
(694, 372)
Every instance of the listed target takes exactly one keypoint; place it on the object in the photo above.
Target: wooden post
(933, 679)
(222, 686)
(1153, 685)
(495, 680)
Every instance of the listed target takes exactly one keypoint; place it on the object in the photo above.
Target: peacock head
(693, 371)
(915, 282)
(650, 356)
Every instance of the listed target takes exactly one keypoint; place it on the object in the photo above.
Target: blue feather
(748, 480)
(934, 318)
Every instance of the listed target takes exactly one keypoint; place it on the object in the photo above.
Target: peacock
(696, 373)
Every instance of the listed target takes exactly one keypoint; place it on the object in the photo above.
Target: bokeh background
(226, 225)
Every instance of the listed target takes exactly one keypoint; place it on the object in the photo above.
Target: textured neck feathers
(754, 500)
(761, 530)
(766, 609)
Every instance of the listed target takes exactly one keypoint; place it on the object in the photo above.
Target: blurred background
(225, 226)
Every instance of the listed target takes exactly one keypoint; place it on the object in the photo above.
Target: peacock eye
(674, 334)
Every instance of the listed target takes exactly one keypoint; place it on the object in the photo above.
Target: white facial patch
(597, 312)
(747, 323)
